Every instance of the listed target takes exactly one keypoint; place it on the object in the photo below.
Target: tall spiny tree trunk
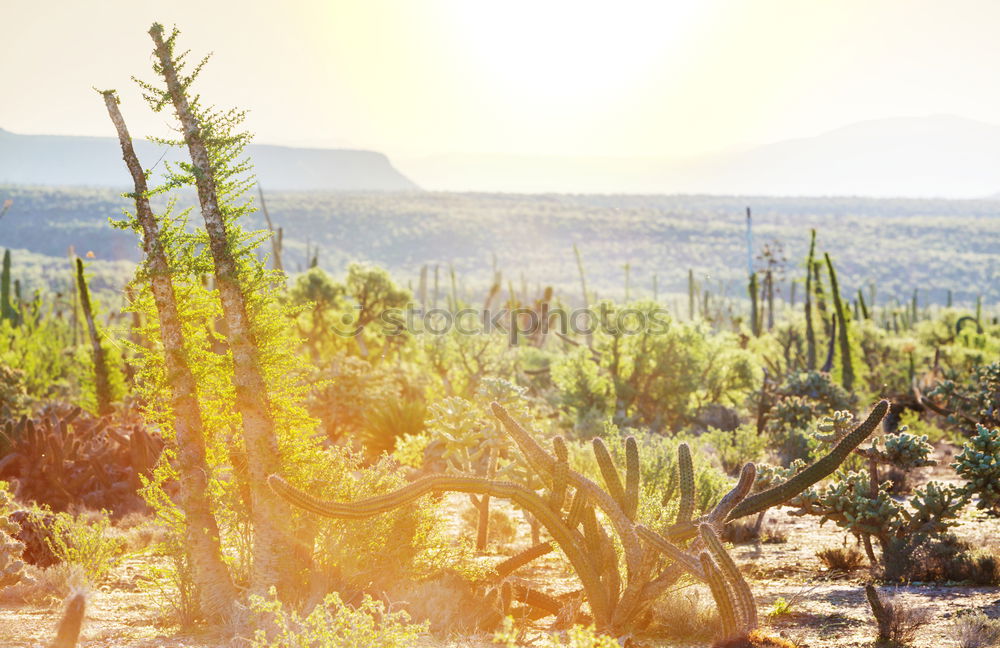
(271, 546)
(211, 576)
(102, 379)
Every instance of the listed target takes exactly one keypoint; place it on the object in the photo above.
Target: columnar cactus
(102, 375)
(617, 597)
(846, 363)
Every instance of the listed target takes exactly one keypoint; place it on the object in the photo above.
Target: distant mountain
(96, 161)
(936, 156)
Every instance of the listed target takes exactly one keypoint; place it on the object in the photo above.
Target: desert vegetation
(241, 446)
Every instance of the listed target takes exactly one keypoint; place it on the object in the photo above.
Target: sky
(659, 79)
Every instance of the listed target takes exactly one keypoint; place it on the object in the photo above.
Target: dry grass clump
(841, 559)
(754, 530)
(47, 586)
(946, 560)
(975, 631)
(685, 616)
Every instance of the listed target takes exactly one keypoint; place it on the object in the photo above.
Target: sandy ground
(826, 609)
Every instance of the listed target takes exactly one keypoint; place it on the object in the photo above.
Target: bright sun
(562, 51)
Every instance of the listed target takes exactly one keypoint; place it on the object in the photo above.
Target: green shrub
(658, 377)
(332, 624)
(576, 637)
(736, 447)
(89, 544)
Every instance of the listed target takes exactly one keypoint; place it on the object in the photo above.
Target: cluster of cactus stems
(63, 457)
(584, 519)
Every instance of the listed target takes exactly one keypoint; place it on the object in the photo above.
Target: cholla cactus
(974, 403)
(11, 565)
(473, 443)
(907, 450)
(902, 450)
(849, 503)
(834, 428)
(933, 505)
(979, 465)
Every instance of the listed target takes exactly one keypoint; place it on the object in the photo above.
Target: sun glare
(566, 52)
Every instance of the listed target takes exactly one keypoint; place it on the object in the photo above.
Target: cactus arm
(608, 471)
(737, 584)
(69, 627)
(592, 537)
(685, 471)
(734, 497)
(596, 594)
(817, 471)
(631, 477)
(805, 478)
(717, 584)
